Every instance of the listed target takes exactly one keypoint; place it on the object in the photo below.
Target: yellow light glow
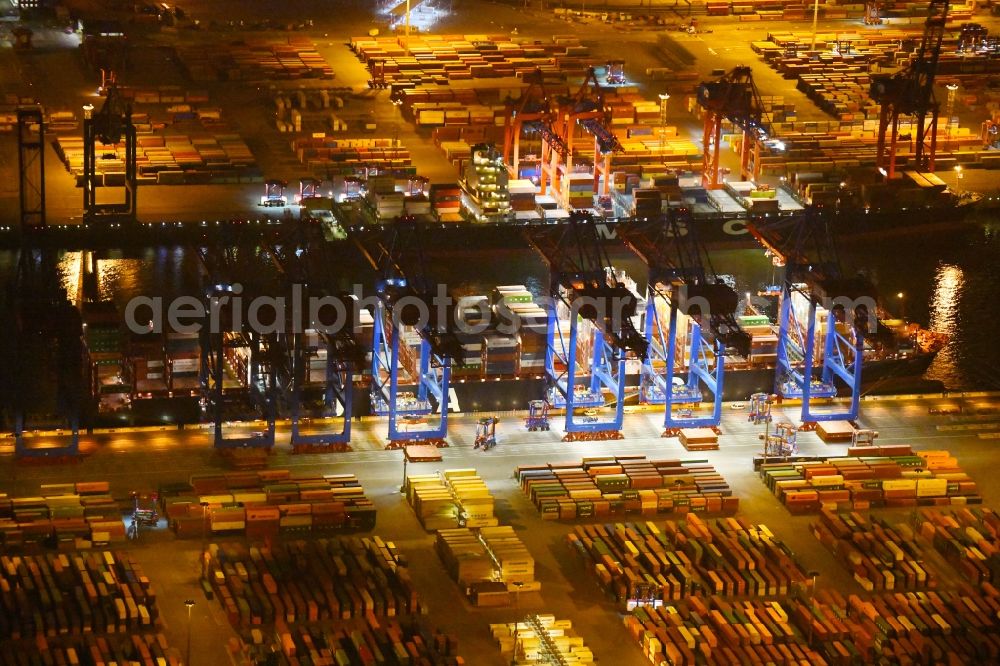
(944, 304)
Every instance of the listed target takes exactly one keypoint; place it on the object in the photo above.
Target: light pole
(812, 45)
(767, 434)
(402, 486)
(950, 108)
(902, 305)
(204, 538)
(189, 604)
(517, 595)
(663, 121)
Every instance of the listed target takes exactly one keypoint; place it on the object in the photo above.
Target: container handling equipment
(538, 416)
(486, 433)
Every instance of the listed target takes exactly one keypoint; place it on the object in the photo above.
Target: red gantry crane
(734, 97)
(588, 109)
(910, 92)
(534, 112)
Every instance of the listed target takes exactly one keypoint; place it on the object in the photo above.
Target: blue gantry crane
(582, 288)
(699, 308)
(321, 337)
(804, 245)
(407, 306)
(230, 346)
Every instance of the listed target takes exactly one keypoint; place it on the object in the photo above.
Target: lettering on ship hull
(735, 228)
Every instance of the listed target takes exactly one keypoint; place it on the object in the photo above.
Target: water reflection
(116, 276)
(944, 314)
(69, 274)
(945, 317)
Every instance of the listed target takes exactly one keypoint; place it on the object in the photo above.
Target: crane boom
(813, 281)
(680, 284)
(583, 289)
(733, 97)
(911, 92)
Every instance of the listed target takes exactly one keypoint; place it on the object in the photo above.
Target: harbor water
(948, 283)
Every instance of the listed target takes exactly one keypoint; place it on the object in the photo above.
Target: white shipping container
(186, 365)
(430, 117)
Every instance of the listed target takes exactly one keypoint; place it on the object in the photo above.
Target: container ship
(489, 208)
(505, 370)
(155, 378)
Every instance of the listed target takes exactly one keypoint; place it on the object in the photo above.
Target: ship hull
(738, 384)
(719, 232)
(887, 375)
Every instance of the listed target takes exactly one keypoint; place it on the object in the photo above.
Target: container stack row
(879, 555)
(146, 649)
(462, 111)
(164, 94)
(601, 487)
(448, 58)
(329, 602)
(486, 559)
(329, 155)
(96, 591)
(370, 640)
(644, 562)
(457, 497)
(930, 478)
(931, 627)
(490, 564)
(541, 639)
(515, 566)
(253, 60)
(170, 159)
(266, 504)
(67, 515)
(750, 11)
(467, 562)
(717, 631)
(296, 582)
(968, 538)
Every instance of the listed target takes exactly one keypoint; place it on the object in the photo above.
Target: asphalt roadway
(141, 460)
(55, 75)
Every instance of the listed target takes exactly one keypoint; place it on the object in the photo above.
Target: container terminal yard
(473, 333)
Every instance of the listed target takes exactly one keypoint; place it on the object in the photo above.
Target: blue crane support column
(582, 282)
(699, 374)
(681, 276)
(432, 380)
(794, 378)
(659, 387)
(653, 383)
(308, 271)
(607, 371)
(806, 246)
